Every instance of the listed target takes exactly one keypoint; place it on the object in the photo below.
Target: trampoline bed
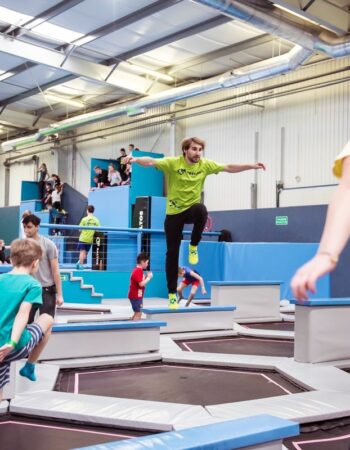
(185, 384)
(240, 345)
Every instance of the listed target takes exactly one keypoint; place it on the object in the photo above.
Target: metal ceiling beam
(321, 12)
(34, 91)
(190, 31)
(46, 15)
(78, 66)
(125, 21)
(220, 53)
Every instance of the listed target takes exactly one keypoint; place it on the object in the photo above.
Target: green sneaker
(173, 302)
(193, 254)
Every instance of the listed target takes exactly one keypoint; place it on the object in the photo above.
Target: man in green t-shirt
(86, 237)
(185, 176)
(19, 293)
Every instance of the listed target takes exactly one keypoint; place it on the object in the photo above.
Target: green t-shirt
(184, 181)
(87, 236)
(15, 289)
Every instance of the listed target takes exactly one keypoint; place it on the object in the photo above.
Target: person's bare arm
(19, 325)
(146, 280)
(335, 235)
(235, 168)
(144, 161)
(58, 283)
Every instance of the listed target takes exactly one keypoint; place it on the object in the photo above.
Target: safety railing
(112, 248)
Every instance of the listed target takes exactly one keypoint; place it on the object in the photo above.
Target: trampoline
(328, 435)
(24, 433)
(240, 345)
(281, 326)
(176, 383)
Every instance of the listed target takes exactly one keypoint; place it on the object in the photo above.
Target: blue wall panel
(111, 206)
(305, 224)
(158, 244)
(30, 190)
(270, 262)
(9, 223)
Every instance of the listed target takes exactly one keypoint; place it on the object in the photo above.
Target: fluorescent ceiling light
(140, 70)
(55, 32)
(13, 17)
(4, 75)
(67, 101)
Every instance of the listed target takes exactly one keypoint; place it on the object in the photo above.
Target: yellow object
(173, 302)
(193, 254)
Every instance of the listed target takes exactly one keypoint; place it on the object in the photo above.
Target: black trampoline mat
(22, 433)
(281, 326)
(195, 385)
(332, 435)
(240, 345)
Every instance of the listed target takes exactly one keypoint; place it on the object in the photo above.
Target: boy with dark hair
(138, 282)
(48, 275)
(19, 291)
(86, 237)
(190, 277)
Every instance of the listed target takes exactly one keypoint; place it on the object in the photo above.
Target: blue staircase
(75, 291)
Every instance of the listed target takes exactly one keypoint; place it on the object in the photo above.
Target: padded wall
(9, 223)
(305, 224)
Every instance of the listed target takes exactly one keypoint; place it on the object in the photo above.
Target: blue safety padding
(323, 302)
(104, 200)
(97, 326)
(229, 435)
(244, 283)
(188, 310)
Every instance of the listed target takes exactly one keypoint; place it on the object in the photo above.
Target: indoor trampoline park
(174, 225)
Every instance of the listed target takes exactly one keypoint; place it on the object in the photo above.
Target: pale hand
(150, 275)
(59, 300)
(5, 350)
(258, 166)
(204, 291)
(129, 159)
(306, 276)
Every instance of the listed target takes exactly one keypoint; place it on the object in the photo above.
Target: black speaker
(141, 218)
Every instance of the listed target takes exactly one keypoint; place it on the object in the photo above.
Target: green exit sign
(281, 220)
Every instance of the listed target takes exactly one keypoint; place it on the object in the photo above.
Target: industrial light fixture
(67, 101)
(4, 75)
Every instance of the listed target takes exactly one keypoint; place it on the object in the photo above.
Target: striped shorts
(37, 335)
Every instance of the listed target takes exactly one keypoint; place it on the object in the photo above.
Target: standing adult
(42, 177)
(48, 275)
(121, 163)
(185, 176)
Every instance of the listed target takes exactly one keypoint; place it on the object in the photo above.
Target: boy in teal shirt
(19, 291)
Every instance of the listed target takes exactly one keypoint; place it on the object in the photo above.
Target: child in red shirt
(138, 282)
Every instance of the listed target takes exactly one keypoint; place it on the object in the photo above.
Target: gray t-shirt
(44, 274)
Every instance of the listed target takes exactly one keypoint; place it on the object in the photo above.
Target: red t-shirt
(135, 290)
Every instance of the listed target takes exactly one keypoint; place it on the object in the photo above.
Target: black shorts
(49, 303)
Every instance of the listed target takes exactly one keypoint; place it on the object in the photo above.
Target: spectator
(95, 180)
(127, 175)
(114, 177)
(56, 197)
(86, 237)
(54, 180)
(42, 177)
(102, 175)
(131, 148)
(47, 199)
(120, 160)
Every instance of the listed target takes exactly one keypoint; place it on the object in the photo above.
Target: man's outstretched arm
(235, 168)
(144, 161)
